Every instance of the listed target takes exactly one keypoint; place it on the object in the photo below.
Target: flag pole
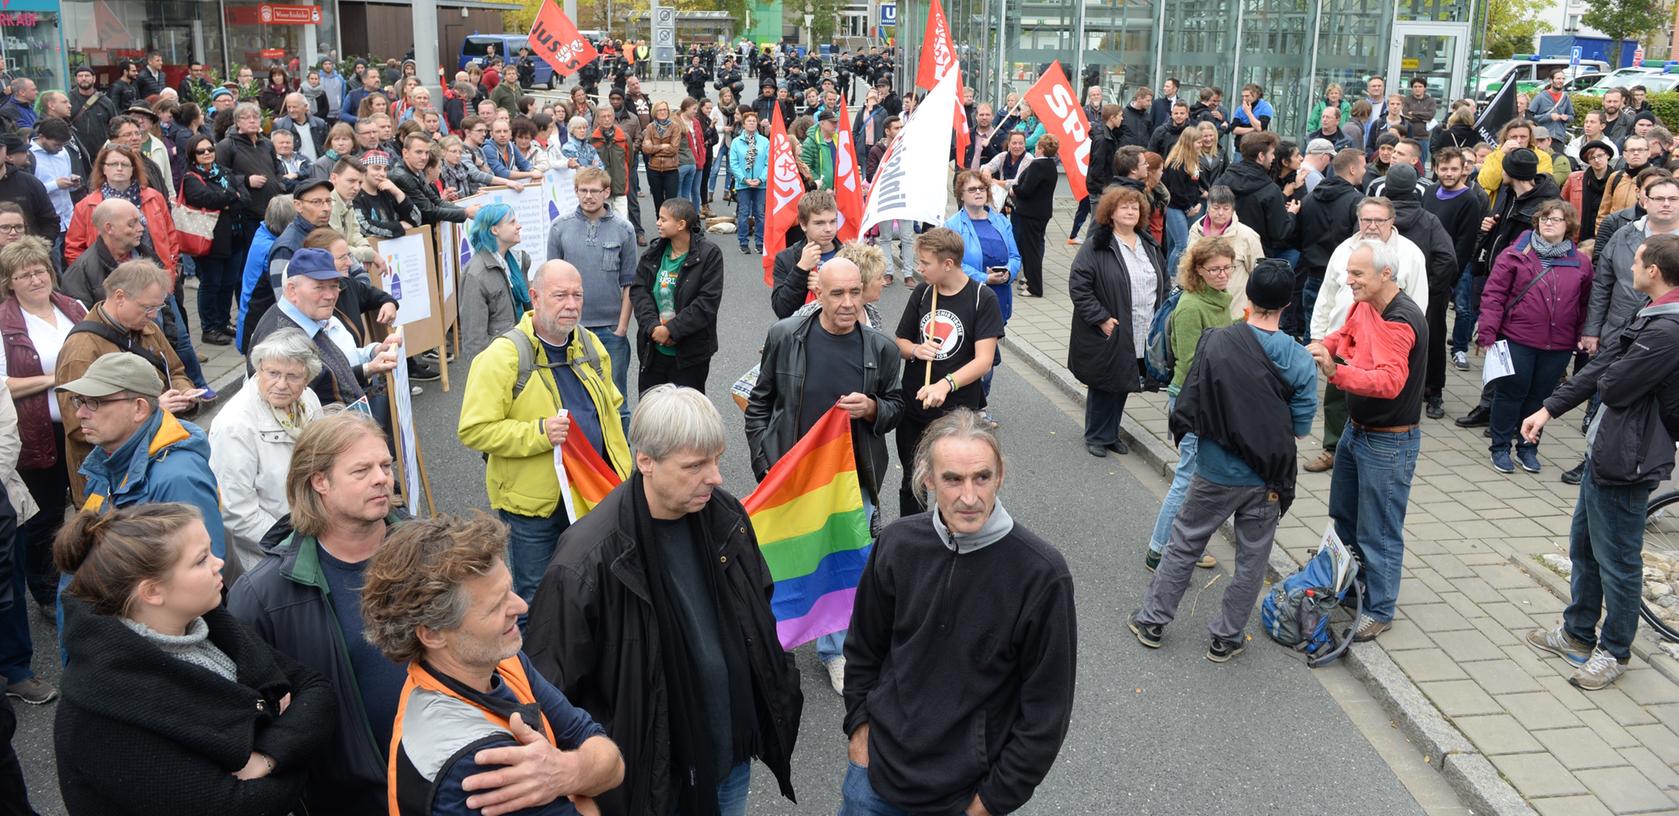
(927, 374)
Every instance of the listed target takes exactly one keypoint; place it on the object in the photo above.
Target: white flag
(910, 184)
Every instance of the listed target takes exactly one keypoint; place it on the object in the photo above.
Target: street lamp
(810, 25)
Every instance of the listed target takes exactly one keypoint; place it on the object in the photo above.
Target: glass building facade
(1291, 48)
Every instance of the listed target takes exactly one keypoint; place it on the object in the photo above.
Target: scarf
(291, 418)
(694, 771)
(751, 153)
(516, 280)
(213, 175)
(193, 647)
(1548, 252)
(132, 196)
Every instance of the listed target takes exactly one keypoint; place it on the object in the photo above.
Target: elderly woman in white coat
(252, 438)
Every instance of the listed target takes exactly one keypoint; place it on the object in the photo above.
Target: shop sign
(19, 19)
(272, 53)
(274, 14)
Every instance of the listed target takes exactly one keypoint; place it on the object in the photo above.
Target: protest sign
(910, 184)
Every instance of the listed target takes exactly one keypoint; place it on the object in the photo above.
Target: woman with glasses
(12, 225)
(494, 290)
(34, 321)
(209, 186)
(1207, 267)
(662, 143)
(120, 173)
(990, 254)
(1117, 279)
(1535, 299)
(252, 438)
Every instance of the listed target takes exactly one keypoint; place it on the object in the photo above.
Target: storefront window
(260, 35)
(1118, 48)
(1275, 35)
(102, 34)
(30, 45)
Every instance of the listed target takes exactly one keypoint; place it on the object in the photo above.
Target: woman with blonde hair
(1185, 190)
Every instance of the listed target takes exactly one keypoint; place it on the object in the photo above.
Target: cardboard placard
(411, 278)
(533, 206)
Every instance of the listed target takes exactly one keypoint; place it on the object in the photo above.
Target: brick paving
(1473, 587)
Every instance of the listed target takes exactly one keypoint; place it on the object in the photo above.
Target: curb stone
(1444, 747)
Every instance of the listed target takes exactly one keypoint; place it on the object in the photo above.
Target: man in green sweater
(820, 150)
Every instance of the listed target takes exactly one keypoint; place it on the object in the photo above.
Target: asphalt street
(1153, 731)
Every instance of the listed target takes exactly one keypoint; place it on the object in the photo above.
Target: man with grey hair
(961, 594)
(1335, 300)
(656, 609)
(118, 223)
(1378, 360)
(309, 129)
(528, 391)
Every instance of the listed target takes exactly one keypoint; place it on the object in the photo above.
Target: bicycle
(1661, 566)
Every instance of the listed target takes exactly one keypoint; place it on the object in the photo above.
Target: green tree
(1513, 25)
(1625, 19)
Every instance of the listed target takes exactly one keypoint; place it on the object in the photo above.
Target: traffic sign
(664, 34)
(888, 14)
(1574, 55)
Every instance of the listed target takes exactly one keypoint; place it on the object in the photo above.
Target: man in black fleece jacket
(961, 598)
(1259, 201)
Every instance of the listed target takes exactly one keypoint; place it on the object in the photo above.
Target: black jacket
(792, 284)
(1454, 136)
(1165, 137)
(1134, 128)
(1034, 189)
(1461, 216)
(433, 209)
(1102, 149)
(91, 117)
(246, 158)
(1328, 216)
(1100, 287)
(1637, 379)
(593, 633)
(1422, 228)
(140, 732)
(699, 291)
(150, 83)
(284, 598)
(773, 409)
(203, 194)
(1228, 398)
(1259, 204)
(26, 191)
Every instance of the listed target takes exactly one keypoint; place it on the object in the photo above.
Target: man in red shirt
(1379, 359)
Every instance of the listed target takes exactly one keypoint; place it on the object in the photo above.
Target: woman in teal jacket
(988, 242)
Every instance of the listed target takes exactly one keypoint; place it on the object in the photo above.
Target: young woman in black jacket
(170, 704)
(678, 287)
(206, 185)
(1034, 195)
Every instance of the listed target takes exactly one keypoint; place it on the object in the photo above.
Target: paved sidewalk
(1473, 586)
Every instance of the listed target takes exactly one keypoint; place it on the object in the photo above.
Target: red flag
(960, 122)
(938, 53)
(781, 206)
(1063, 117)
(848, 185)
(556, 40)
(587, 477)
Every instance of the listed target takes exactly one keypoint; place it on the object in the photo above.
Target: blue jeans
(857, 796)
(218, 285)
(732, 790)
(1463, 327)
(181, 339)
(717, 163)
(1520, 394)
(1086, 204)
(687, 183)
(1604, 546)
(1177, 239)
(1174, 495)
(618, 348)
(749, 210)
(1368, 491)
(530, 546)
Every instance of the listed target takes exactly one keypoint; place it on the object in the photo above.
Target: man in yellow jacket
(1516, 133)
(518, 413)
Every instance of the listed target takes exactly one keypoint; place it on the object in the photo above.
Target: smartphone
(998, 270)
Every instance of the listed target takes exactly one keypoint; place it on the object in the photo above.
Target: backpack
(527, 359)
(1158, 359)
(1298, 609)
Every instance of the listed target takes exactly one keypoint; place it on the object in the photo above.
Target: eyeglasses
(1375, 220)
(1217, 270)
(1663, 199)
(1552, 219)
(289, 378)
(116, 165)
(205, 151)
(315, 202)
(78, 402)
(590, 191)
(973, 189)
(11, 228)
(27, 275)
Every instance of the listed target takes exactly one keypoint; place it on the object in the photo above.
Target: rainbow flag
(808, 514)
(585, 478)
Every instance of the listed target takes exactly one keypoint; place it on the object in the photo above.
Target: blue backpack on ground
(1158, 359)
(1297, 611)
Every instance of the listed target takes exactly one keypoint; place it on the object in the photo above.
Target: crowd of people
(624, 657)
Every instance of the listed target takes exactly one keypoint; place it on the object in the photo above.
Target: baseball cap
(1320, 147)
(825, 116)
(114, 373)
(313, 263)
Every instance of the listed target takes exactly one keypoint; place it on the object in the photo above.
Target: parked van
(475, 47)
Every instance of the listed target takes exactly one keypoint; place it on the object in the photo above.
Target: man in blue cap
(308, 301)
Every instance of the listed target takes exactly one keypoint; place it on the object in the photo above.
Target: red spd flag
(848, 180)
(938, 53)
(556, 40)
(959, 123)
(1062, 116)
(781, 206)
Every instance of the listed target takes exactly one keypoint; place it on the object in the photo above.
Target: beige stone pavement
(1472, 589)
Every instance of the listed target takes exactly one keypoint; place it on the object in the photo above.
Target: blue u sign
(888, 14)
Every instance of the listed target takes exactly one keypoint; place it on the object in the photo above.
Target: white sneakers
(836, 674)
